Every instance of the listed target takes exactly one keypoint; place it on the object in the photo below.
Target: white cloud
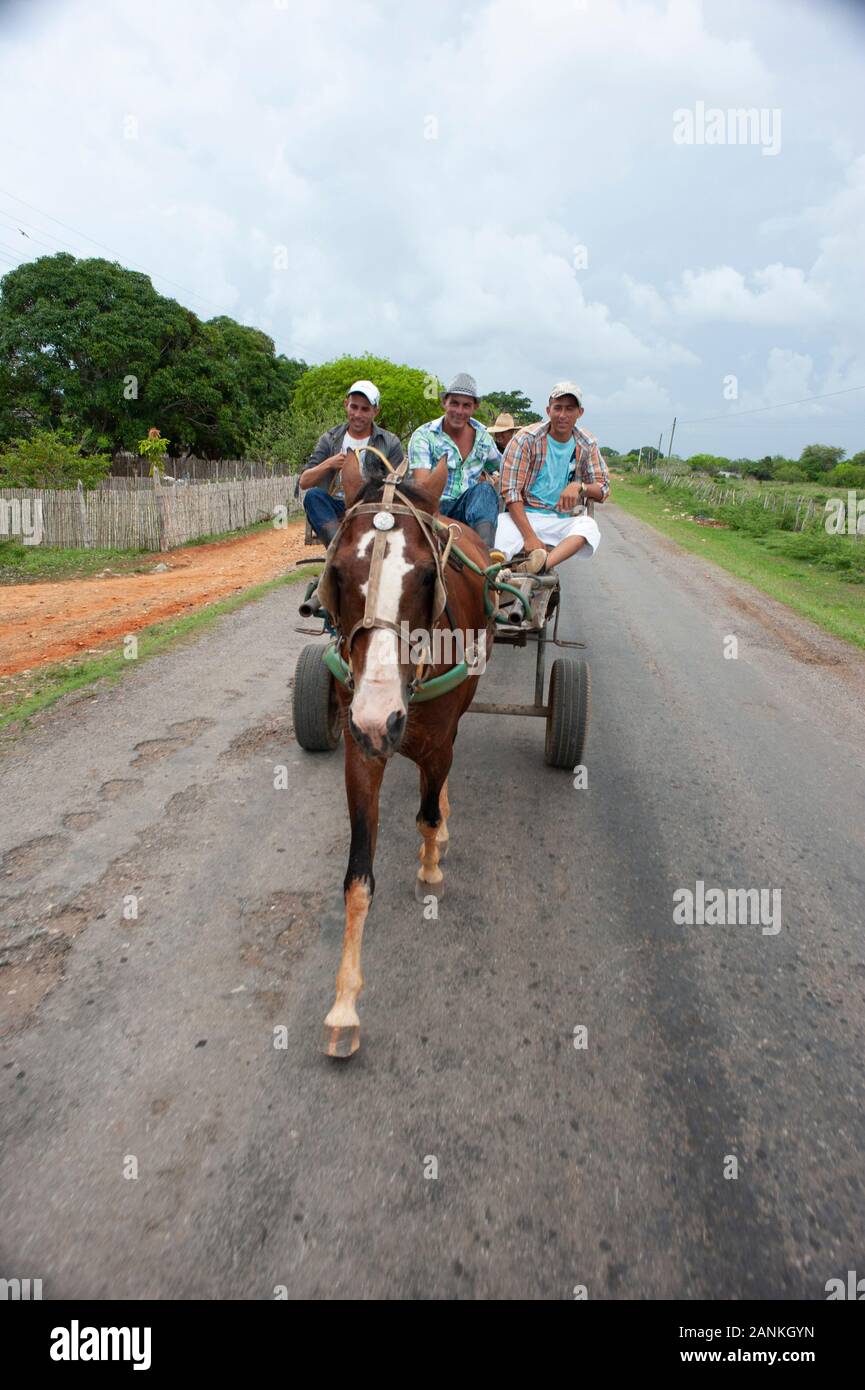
(777, 294)
(304, 127)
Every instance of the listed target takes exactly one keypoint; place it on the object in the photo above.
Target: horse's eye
(429, 576)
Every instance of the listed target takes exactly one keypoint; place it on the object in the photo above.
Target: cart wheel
(317, 714)
(567, 712)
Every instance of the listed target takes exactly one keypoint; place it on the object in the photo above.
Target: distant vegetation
(773, 529)
(93, 358)
(817, 463)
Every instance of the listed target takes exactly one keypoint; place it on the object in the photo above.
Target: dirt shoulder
(53, 622)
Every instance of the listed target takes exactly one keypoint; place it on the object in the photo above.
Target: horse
(384, 578)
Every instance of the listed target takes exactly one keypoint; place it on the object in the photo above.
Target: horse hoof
(423, 890)
(341, 1042)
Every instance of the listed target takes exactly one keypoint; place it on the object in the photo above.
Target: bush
(847, 475)
(790, 473)
(50, 459)
(286, 439)
(409, 396)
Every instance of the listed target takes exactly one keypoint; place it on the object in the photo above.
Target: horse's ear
(352, 478)
(434, 483)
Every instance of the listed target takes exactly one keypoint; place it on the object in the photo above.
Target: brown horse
(386, 567)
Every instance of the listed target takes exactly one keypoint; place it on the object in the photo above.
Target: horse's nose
(395, 726)
(379, 742)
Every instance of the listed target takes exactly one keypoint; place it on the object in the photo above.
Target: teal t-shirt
(558, 470)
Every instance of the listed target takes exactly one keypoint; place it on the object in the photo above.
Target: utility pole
(660, 448)
(672, 432)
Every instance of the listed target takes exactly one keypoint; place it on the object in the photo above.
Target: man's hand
(571, 497)
(321, 473)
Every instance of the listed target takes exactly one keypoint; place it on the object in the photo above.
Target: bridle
(384, 512)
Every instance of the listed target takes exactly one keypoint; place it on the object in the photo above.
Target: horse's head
(405, 591)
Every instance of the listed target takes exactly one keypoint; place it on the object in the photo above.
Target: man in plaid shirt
(470, 451)
(549, 470)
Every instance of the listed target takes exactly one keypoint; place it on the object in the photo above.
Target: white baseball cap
(567, 388)
(366, 388)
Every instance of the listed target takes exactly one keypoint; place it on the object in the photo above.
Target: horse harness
(383, 513)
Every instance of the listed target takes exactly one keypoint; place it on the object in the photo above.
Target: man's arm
(395, 453)
(420, 450)
(515, 470)
(593, 482)
(322, 465)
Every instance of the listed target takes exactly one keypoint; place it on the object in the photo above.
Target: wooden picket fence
(130, 467)
(153, 517)
(718, 495)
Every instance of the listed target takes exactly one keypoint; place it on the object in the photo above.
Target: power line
(153, 274)
(781, 405)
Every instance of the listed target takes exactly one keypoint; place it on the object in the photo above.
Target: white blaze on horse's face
(379, 690)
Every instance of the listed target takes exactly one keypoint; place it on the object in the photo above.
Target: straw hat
(503, 424)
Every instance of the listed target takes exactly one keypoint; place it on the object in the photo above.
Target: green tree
(789, 472)
(50, 459)
(848, 474)
(409, 396)
(514, 403)
(707, 463)
(820, 458)
(89, 346)
(285, 440)
(78, 342)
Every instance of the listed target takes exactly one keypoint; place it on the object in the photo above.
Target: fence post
(82, 511)
(161, 526)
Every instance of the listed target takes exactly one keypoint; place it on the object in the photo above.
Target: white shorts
(550, 528)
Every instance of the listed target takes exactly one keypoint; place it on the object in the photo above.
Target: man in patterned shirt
(470, 450)
(550, 469)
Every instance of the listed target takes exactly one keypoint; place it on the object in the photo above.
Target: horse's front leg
(443, 834)
(430, 818)
(362, 782)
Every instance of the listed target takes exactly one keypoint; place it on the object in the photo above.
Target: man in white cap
(470, 450)
(324, 508)
(549, 470)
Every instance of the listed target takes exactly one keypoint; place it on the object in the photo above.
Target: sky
(529, 192)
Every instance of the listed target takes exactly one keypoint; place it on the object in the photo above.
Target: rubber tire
(568, 706)
(316, 709)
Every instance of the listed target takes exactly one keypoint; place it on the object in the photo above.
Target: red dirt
(41, 623)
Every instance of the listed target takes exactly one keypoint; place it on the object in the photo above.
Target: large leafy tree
(409, 396)
(514, 403)
(214, 396)
(79, 340)
(88, 346)
(817, 459)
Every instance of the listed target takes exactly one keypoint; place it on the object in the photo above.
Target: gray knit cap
(463, 385)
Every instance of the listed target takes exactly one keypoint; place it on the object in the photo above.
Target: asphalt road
(261, 1167)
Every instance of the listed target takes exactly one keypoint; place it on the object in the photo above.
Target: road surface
(470, 1149)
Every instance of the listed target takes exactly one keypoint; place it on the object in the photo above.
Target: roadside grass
(36, 564)
(43, 686)
(33, 564)
(822, 577)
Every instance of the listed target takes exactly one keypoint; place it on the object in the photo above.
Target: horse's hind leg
(433, 775)
(362, 781)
